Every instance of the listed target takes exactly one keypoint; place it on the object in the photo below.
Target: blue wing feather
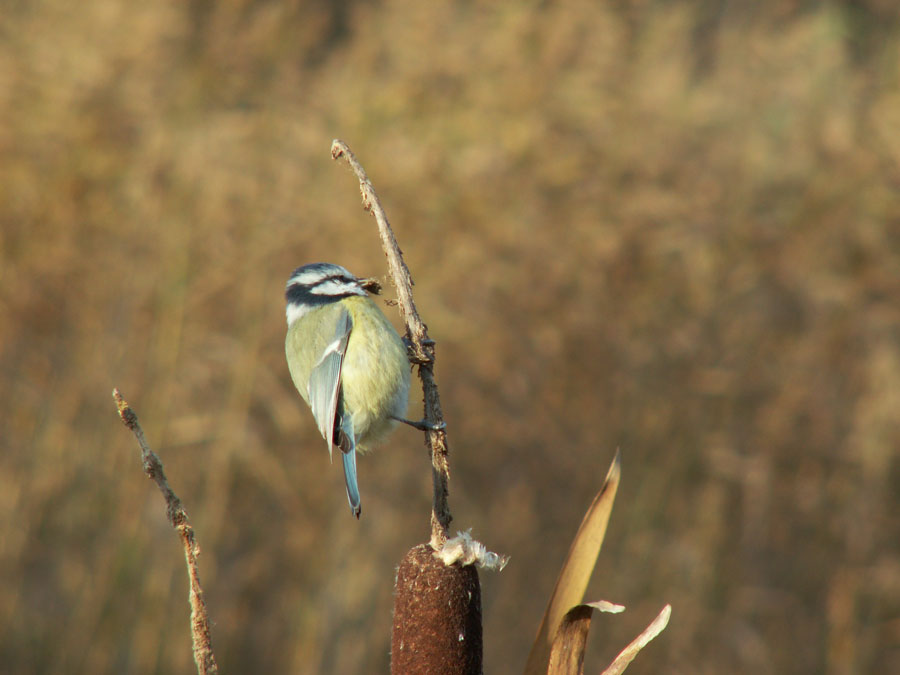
(325, 378)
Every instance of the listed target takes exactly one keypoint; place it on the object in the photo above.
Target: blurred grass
(669, 227)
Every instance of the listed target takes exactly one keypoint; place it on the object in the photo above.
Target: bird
(347, 361)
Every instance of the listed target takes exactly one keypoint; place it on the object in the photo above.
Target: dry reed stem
(421, 350)
(202, 642)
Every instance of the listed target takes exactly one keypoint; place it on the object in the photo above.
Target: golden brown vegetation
(669, 227)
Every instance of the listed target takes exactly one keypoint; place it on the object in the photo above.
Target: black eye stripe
(302, 295)
(320, 284)
(319, 293)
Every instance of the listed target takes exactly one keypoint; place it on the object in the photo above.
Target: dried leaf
(567, 654)
(626, 656)
(576, 570)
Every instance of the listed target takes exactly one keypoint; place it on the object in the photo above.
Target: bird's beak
(371, 285)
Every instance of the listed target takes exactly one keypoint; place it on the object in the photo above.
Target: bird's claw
(423, 425)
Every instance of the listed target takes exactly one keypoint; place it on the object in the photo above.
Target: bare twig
(203, 653)
(421, 350)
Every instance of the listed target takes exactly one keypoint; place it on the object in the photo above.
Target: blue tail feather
(350, 480)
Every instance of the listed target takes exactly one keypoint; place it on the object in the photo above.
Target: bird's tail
(346, 441)
(350, 480)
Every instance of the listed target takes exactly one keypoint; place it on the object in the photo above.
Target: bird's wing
(324, 384)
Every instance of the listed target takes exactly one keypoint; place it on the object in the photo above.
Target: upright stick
(421, 350)
(203, 652)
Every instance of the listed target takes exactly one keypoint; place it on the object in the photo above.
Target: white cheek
(294, 311)
(336, 287)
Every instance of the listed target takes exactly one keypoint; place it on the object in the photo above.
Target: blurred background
(668, 227)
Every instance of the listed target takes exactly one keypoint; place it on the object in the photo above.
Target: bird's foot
(422, 425)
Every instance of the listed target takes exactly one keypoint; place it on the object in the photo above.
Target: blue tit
(346, 360)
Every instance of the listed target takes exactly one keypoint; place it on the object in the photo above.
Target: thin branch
(203, 652)
(421, 350)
